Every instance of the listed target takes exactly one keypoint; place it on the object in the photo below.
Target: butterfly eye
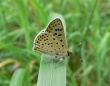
(69, 53)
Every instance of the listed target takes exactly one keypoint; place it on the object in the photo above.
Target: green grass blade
(17, 78)
(24, 21)
(49, 75)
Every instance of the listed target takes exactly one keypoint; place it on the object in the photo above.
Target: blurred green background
(87, 21)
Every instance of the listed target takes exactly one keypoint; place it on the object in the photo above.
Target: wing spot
(53, 38)
(60, 35)
(62, 45)
(51, 46)
(34, 48)
(61, 40)
(55, 29)
(55, 33)
(57, 43)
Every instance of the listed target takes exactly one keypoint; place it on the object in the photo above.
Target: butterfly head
(69, 53)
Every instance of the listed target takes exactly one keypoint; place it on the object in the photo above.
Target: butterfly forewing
(47, 43)
(56, 28)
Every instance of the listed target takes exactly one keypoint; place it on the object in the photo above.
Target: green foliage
(87, 21)
(49, 74)
(17, 78)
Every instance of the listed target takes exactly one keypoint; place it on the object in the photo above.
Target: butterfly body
(52, 40)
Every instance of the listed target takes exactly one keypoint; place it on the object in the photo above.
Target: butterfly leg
(61, 59)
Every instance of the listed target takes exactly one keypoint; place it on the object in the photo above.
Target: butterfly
(52, 40)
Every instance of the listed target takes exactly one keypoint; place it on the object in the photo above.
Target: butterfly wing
(56, 28)
(47, 43)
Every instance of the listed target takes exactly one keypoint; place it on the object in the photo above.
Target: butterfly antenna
(78, 57)
(78, 45)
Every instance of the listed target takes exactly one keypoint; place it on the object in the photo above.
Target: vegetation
(87, 22)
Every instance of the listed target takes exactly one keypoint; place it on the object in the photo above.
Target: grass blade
(17, 78)
(49, 75)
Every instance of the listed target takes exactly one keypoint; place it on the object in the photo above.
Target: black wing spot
(61, 40)
(60, 35)
(55, 29)
(55, 33)
(53, 38)
(51, 46)
(34, 48)
(62, 45)
(57, 43)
